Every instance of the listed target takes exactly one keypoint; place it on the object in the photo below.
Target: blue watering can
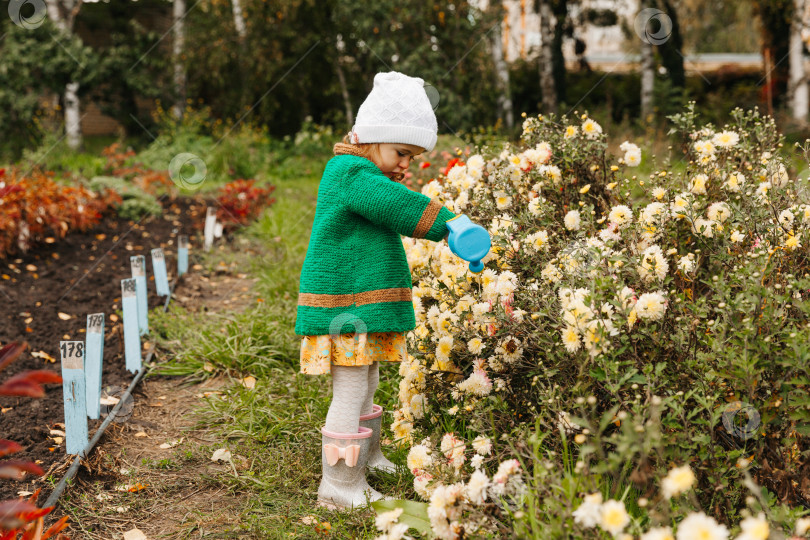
(469, 241)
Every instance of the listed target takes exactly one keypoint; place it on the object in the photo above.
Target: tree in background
(775, 18)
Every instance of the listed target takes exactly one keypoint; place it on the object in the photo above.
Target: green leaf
(413, 513)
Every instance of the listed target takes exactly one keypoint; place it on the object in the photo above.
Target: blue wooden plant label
(159, 269)
(93, 363)
(73, 390)
(132, 341)
(182, 254)
(138, 264)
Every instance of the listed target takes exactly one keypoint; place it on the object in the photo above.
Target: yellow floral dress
(319, 353)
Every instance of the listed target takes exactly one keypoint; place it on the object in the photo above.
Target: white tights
(353, 389)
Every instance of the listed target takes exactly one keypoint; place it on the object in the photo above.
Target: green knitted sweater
(355, 276)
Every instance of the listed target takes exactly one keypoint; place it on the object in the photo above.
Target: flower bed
(637, 343)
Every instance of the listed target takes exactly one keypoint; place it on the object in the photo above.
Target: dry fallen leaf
(114, 317)
(137, 487)
(50, 240)
(109, 400)
(249, 381)
(58, 440)
(30, 267)
(65, 316)
(309, 520)
(141, 434)
(223, 454)
(4, 410)
(24, 493)
(101, 236)
(134, 534)
(58, 432)
(28, 320)
(45, 356)
(171, 443)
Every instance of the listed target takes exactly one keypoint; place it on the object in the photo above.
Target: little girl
(355, 304)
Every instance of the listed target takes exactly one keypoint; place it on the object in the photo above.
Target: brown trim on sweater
(427, 219)
(398, 294)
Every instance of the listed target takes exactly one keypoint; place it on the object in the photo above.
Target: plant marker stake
(218, 230)
(210, 223)
(138, 264)
(74, 394)
(159, 270)
(182, 254)
(74, 467)
(132, 341)
(93, 363)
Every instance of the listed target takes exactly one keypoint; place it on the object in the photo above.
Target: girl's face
(396, 157)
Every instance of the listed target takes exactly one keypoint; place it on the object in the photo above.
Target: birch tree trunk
(502, 77)
(177, 53)
(647, 79)
(63, 13)
(239, 19)
(798, 78)
(546, 59)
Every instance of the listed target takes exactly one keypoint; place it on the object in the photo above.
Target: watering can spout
(469, 241)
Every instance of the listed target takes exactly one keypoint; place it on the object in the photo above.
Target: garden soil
(47, 293)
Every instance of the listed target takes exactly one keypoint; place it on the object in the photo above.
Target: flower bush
(629, 335)
(241, 201)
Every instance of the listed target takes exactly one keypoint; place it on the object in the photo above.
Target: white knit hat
(397, 110)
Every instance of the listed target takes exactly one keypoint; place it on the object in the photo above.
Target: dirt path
(153, 472)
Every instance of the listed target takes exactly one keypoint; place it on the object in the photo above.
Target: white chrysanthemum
(680, 206)
(653, 264)
(786, 219)
(444, 347)
(704, 148)
(762, 190)
(737, 236)
(659, 193)
(538, 241)
(482, 445)
(802, 526)
(793, 241)
(570, 338)
(475, 161)
(627, 146)
(627, 297)
(386, 519)
(551, 273)
(726, 139)
(476, 461)
(502, 200)
(552, 172)
(699, 525)
(651, 306)
(476, 345)
(510, 349)
(698, 184)
(456, 174)
(462, 201)
(613, 517)
(754, 528)
(432, 189)
(686, 264)
(734, 182)
(704, 227)
(652, 212)
(780, 177)
(632, 159)
(420, 485)
(719, 212)
(591, 129)
(677, 481)
(572, 220)
(577, 314)
(658, 533)
(417, 405)
(620, 215)
(535, 206)
(589, 512)
(571, 132)
(476, 489)
(419, 458)
(477, 384)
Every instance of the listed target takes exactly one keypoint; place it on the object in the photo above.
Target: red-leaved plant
(241, 201)
(22, 519)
